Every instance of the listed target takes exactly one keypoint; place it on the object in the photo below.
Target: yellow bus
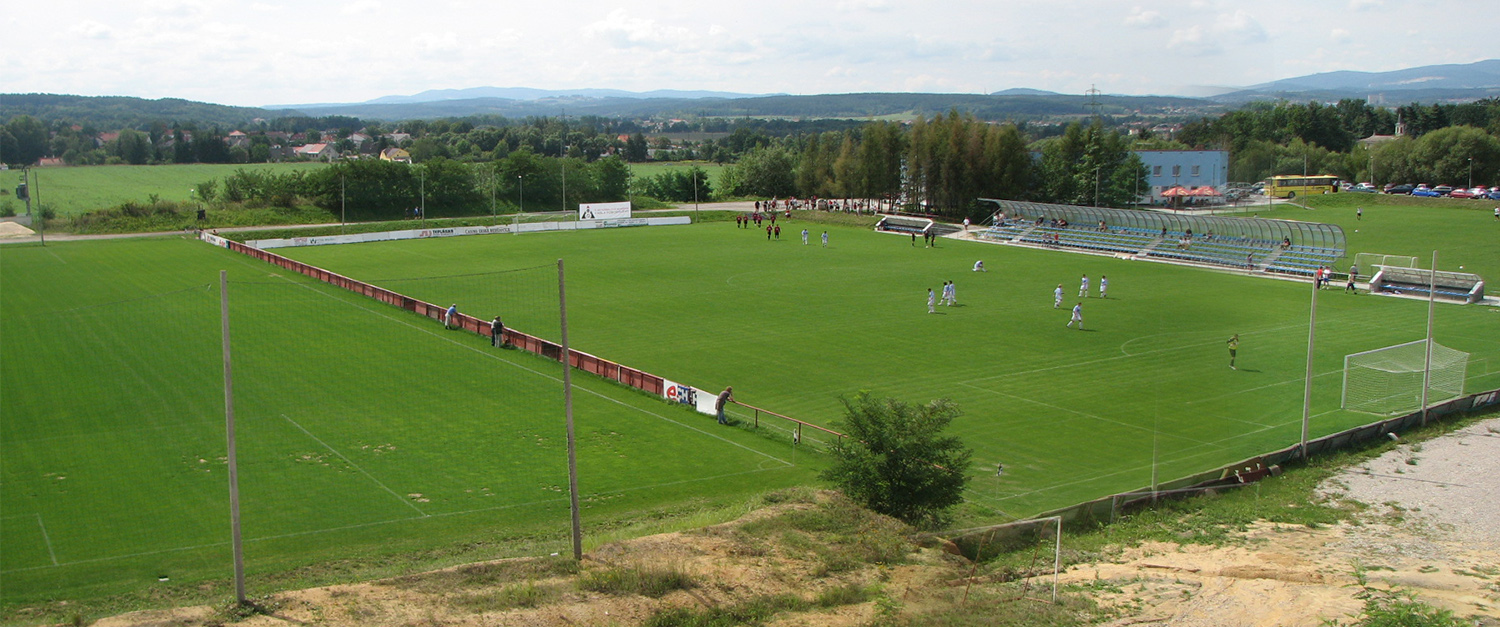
(1293, 186)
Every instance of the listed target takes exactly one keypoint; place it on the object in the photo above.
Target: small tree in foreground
(896, 460)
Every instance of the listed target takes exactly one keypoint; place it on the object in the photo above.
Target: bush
(896, 460)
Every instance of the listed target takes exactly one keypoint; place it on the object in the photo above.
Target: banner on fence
(603, 210)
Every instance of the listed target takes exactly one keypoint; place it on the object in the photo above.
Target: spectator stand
(1461, 287)
(1273, 246)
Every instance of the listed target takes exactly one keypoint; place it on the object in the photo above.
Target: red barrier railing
(632, 377)
(797, 424)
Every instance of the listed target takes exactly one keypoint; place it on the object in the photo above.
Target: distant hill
(527, 93)
(1023, 91)
(116, 112)
(1430, 83)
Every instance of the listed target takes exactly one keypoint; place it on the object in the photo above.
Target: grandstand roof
(1314, 234)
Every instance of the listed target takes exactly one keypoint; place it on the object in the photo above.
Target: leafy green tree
(374, 189)
(897, 461)
(449, 188)
(765, 172)
(613, 176)
(132, 147)
(28, 137)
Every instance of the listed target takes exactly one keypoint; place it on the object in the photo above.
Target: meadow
(75, 190)
(374, 442)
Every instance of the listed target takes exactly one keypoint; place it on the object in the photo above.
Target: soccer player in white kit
(979, 266)
(951, 295)
(1077, 316)
(1083, 288)
(931, 301)
(1057, 296)
(804, 237)
(825, 239)
(1103, 286)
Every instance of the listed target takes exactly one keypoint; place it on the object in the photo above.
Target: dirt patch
(12, 229)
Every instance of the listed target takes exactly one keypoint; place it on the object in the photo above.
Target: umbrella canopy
(1174, 192)
(1206, 190)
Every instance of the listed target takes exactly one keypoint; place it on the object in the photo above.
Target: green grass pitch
(111, 446)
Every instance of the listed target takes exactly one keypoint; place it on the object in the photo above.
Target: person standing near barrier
(1353, 275)
(1234, 345)
(448, 316)
(497, 332)
(725, 397)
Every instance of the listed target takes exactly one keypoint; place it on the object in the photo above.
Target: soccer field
(1072, 414)
(369, 435)
(365, 433)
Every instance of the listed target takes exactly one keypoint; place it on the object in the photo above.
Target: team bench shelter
(1457, 286)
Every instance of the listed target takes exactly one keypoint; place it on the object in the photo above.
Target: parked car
(1479, 191)
(1460, 193)
(1362, 188)
(1404, 188)
(1443, 190)
(1426, 193)
(1493, 195)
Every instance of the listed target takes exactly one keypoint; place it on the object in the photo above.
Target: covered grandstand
(1259, 244)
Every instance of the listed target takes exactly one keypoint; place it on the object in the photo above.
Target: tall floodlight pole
(423, 192)
(567, 359)
(695, 191)
(1427, 365)
(1096, 186)
(40, 220)
(494, 211)
(1471, 176)
(521, 192)
(234, 466)
(1312, 325)
(564, 163)
(343, 212)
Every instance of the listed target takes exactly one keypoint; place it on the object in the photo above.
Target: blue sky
(260, 52)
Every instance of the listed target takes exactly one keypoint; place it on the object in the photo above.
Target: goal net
(1389, 380)
(1370, 263)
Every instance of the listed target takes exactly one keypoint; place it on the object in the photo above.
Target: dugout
(1263, 230)
(903, 224)
(1462, 287)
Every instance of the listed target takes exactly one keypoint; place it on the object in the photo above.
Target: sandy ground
(1431, 528)
(12, 229)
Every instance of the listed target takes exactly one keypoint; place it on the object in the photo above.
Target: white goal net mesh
(1389, 380)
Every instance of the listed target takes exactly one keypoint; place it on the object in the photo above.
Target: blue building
(1191, 169)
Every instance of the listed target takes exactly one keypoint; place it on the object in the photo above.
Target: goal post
(1389, 380)
(1369, 263)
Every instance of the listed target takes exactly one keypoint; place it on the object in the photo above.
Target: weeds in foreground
(651, 582)
(755, 611)
(1394, 607)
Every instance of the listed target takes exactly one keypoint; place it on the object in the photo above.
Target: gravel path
(1454, 481)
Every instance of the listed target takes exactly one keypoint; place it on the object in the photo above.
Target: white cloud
(361, 7)
(1240, 25)
(880, 6)
(620, 30)
(92, 30)
(1339, 35)
(1190, 36)
(1145, 19)
(1362, 5)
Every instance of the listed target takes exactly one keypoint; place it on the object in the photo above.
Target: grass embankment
(72, 191)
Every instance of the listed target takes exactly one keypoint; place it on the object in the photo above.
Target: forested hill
(117, 112)
(987, 107)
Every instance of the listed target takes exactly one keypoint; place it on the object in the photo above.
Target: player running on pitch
(1057, 295)
(1077, 316)
(1083, 287)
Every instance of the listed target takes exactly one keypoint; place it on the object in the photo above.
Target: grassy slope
(113, 439)
(643, 170)
(1073, 415)
(72, 191)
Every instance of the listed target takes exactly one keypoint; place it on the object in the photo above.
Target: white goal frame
(1398, 372)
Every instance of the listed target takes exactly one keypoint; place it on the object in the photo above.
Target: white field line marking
(554, 378)
(371, 524)
(356, 466)
(46, 539)
(54, 256)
